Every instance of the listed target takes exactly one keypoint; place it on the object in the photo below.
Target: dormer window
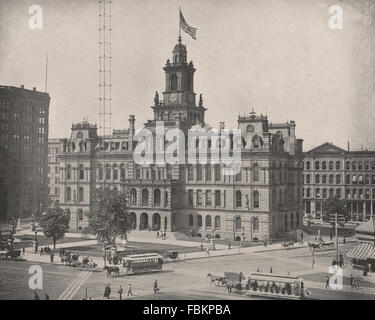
(250, 128)
(79, 134)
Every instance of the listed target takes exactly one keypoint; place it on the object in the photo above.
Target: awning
(362, 251)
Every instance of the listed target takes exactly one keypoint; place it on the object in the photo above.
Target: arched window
(166, 198)
(330, 178)
(115, 173)
(81, 172)
(324, 165)
(238, 223)
(80, 194)
(107, 172)
(133, 196)
(68, 172)
(338, 164)
(256, 172)
(68, 194)
(330, 165)
(257, 142)
(256, 199)
(199, 220)
(145, 197)
(100, 173)
(173, 82)
(317, 165)
(208, 221)
(191, 220)
(250, 128)
(217, 222)
(157, 197)
(307, 165)
(255, 224)
(238, 199)
(122, 172)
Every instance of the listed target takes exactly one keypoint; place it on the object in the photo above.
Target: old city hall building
(262, 201)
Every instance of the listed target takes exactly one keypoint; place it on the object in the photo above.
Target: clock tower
(179, 99)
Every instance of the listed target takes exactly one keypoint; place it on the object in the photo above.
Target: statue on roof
(200, 100)
(156, 99)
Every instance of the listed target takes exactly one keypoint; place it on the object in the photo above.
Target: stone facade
(262, 201)
(333, 171)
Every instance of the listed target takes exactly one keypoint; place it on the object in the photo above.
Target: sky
(279, 58)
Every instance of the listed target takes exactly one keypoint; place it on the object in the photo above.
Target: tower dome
(179, 52)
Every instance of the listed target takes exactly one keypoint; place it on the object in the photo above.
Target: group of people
(36, 296)
(120, 291)
(161, 235)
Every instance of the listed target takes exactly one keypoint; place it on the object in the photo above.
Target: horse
(112, 271)
(220, 280)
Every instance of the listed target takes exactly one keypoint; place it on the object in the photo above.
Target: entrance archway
(156, 220)
(143, 223)
(133, 221)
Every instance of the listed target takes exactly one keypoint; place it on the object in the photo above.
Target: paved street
(184, 279)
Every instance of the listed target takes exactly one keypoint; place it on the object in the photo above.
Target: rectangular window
(208, 172)
(217, 198)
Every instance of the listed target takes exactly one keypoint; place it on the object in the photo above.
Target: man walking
(120, 292)
(130, 292)
(107, 291)
(156, 287)
(327, 282)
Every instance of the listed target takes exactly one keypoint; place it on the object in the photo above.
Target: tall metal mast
(105, 64)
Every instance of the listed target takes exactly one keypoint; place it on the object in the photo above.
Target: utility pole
(337, 239)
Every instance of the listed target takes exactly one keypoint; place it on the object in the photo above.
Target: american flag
(191, 31)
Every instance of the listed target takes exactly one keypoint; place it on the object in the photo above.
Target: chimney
(222, 125)
(131, 123)
(348, 146)
(34, 88)
(22, 86)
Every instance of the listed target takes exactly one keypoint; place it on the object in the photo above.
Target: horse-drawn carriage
(10, 255)
(321, 245)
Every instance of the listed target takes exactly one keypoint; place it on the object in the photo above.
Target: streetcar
(141, 263)
(276, 286)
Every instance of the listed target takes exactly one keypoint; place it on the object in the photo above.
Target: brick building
(264, 199)
(23, 151)
(332, 171)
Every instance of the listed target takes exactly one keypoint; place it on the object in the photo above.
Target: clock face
(172, 97)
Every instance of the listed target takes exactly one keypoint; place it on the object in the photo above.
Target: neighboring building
(53, 170)
(23, 151)
(262, 201)
(331, 171)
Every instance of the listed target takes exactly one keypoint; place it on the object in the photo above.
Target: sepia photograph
(187, 150)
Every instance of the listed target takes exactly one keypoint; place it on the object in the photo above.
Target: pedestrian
(130, 292)
(23, 251)
(302, 236)
(120, 292)
(352, 281)
(36, 296)
(156, 287)
(51, 257)
(229, 245)
(107, 291)
(330, 236)
(46, 296)
(229, 288)
(207, 251)
(201, 246)
(327, 282)
(157, 234)
(271, 271)
(344, 240)
(265, 244)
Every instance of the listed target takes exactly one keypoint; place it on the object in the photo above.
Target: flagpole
(179, 23)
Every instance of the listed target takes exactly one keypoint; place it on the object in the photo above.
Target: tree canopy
(108, 217)
(54, 223)
(334, 205)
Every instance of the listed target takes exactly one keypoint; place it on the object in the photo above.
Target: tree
(334, 205)
(108, 217)
(54, 223)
